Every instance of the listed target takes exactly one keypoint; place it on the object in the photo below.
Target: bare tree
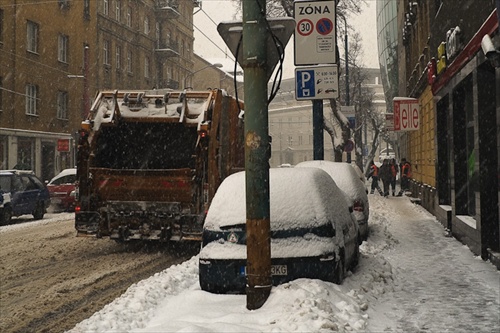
(335, 123)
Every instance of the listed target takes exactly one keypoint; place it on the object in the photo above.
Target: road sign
(282, 29)
(349, 146)
(389, 121)
(406, 114)
(318, 82)
(315, 33)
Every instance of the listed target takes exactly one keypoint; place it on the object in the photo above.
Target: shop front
(43, 152)
(467, 103)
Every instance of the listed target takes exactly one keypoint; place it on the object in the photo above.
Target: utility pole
(257, 153)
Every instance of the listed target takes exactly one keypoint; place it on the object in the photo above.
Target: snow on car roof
(343, 174)
(63, 173)
(303, 197)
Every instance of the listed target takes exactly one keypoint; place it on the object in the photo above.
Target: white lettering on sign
(406, 114)
(309, 10)
(453, 42)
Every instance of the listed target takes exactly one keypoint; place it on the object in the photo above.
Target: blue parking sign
(305, 84)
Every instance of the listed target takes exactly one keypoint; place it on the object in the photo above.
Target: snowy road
(411, 278)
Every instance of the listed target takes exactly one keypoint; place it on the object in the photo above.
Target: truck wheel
(5, 216)
(39, 211)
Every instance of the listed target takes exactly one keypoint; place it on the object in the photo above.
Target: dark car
(313, 234)
(62, 190)
(28, 194)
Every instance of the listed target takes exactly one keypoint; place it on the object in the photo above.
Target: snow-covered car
(28, 194)
(62, 190)
(313, 234)
(359, 172)
(5, 207)
(354, 190)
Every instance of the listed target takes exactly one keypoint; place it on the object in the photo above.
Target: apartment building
(55, 55)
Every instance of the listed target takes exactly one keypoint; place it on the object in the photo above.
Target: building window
(146, 67)
(63, 4)
(86, 9)
(129, 61)
(129, 16)
(146, 25)
(105, 7)
(62, 105)
(1, 94)
(105, 52)
(31, 99)
(1, 26)
(32, 37)
(157, 36)
(62, 54)
(118, 57)
(118, 10)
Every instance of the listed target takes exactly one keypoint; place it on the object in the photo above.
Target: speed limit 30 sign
(315, 33)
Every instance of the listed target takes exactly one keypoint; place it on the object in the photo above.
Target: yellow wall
(422, 147)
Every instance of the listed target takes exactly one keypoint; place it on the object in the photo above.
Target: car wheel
(39, 211)
(339, 272)
(5, 216)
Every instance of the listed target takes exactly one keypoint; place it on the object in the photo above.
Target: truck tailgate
(143, 185)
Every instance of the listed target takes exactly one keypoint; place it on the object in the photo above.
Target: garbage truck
(150, 162)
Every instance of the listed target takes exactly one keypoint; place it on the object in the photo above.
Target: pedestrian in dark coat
(386, 176)
(394, 172)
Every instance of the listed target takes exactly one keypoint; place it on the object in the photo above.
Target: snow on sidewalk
(411, 278)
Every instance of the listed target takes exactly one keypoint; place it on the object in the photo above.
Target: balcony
(167, 9)
(167, 49)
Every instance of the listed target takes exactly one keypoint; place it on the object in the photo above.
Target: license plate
(275, 270)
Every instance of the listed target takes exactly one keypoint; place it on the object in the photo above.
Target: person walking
(385, 175)
(394, 174)
(373, 174)
(405, 176)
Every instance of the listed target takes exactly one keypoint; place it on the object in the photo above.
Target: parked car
(354, 190)
(5, 207)
(359, 172)
(62, 190)
(313, 234)
(28, 194)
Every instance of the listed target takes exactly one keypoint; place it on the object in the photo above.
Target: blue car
(28, 194)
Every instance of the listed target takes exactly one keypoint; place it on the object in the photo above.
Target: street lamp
(218, 65)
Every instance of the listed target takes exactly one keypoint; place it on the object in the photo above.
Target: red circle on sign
(324, 26)
(305, 27)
